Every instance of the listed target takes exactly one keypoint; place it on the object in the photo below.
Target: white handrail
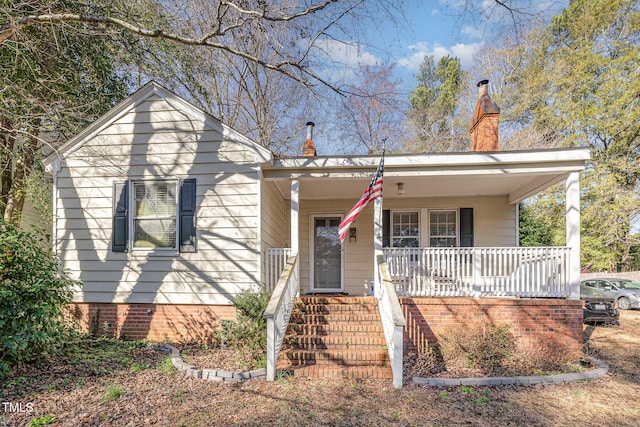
(393, 321)
(278, 312)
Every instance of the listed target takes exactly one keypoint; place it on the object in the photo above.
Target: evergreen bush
(33, 294)
(248, 334)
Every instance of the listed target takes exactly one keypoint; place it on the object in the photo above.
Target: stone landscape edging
(237, 376)
(209, 374)
(601, 370)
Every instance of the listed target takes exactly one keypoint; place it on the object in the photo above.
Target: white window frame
(456, 211)
(391, 225)
(133, 217)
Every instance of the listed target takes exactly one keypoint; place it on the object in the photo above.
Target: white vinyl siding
(275, 214)
(155, 141)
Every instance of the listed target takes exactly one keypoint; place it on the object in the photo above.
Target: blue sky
(439, 28)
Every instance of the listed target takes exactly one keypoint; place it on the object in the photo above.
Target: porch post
(377, 241)
(295, 235)
(572, 195)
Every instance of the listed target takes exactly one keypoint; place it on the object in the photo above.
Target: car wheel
(624, 303)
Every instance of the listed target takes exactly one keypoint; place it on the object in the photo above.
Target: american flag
(372, 192)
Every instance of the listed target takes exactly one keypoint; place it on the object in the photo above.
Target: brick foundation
(551, 323)
(156, 322)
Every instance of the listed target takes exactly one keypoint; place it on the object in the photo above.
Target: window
(443, 228)
(154, 215)
(405, 230)
(446, 228)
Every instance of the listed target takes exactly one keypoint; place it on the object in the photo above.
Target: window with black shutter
(154, 215)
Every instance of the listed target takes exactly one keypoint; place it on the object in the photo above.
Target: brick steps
(318, 371)
(358, 357)
(335, 328)
(335, 337)
(330, 341)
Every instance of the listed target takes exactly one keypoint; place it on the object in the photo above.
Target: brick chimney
(309, 148)
(484, 125)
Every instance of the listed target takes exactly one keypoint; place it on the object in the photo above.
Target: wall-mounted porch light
(400, 189)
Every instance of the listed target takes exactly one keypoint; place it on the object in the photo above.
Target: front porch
(445, 231)
(516, 272)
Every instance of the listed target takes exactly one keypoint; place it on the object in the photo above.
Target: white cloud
(472, 32)
(461, 50)
(466, 53)
(336, 60)
(345, 53)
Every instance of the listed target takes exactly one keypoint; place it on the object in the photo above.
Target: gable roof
(145, 92)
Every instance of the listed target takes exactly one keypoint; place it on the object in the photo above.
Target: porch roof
(515, 174)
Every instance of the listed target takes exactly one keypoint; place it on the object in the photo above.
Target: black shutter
(466, 227)
(386, 228)
(187, 216)
(120, 216)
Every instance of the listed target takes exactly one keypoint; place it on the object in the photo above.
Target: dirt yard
(141, 389)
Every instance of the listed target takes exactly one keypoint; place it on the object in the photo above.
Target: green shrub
(251, 305)
(248, 334)
(32, 298)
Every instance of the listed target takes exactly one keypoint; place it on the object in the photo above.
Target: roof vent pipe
(309, 148)
(310, 126)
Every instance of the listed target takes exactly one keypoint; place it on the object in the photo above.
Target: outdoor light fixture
(352, 234)
(400, 189)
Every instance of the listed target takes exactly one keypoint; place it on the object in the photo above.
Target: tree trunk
(7, 144)
(18, 191)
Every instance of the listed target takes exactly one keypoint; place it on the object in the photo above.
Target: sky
(438, 28)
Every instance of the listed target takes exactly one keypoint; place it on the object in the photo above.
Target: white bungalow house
(164, 214)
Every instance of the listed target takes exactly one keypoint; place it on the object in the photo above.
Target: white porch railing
(278, 312)
(274, 261)
(480, 272)
(392, 319)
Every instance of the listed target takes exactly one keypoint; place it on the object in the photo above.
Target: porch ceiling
(515, 174)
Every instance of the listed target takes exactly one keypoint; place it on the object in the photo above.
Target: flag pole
(377, 232)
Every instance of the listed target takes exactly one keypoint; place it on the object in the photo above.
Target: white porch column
(377, 241)
(572, 195)
(295, 223)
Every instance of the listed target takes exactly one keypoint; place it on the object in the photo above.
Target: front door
(326, 265)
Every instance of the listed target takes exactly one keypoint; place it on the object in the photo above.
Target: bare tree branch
(293, 69)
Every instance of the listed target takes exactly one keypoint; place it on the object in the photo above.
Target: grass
(44, 420)
(113, 392)
(166, 366)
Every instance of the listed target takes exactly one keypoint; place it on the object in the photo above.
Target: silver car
(626, 292)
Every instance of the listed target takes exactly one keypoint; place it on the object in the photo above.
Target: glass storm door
(327, 254)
